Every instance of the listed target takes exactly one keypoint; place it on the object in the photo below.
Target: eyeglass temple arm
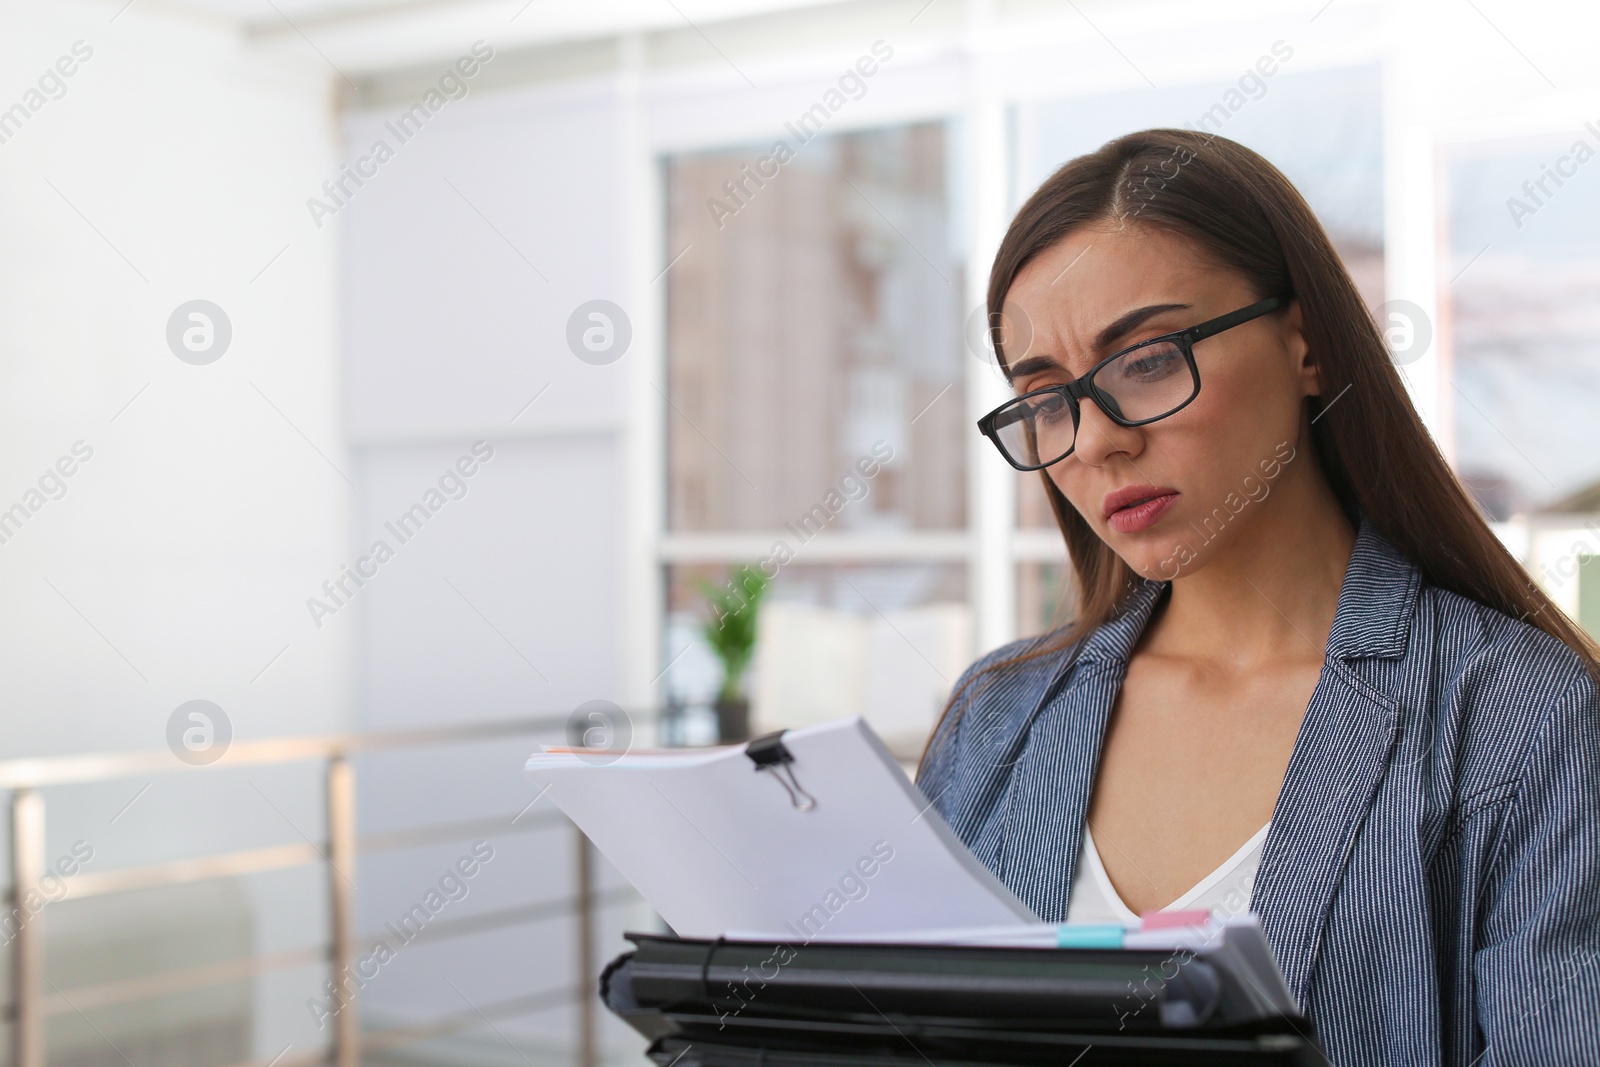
(1234, 318)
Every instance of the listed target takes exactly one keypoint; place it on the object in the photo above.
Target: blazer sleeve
(1536, 963)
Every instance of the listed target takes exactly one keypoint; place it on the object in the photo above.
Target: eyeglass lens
(1145, 383)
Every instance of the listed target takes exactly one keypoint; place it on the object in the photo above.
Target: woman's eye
(1153, 363)
(1051, 409)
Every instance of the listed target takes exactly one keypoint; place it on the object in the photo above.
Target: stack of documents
(823, 914)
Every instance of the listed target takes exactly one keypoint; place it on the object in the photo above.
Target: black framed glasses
(1138, 385)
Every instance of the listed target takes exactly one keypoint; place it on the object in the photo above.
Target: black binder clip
(768, 754)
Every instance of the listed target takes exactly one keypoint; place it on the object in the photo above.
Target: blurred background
(390, 386)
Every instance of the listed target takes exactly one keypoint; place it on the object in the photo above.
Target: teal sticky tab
(1089, 935)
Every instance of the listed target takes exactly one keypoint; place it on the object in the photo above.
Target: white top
(1225, 892)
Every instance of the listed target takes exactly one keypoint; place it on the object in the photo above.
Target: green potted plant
(731, 633)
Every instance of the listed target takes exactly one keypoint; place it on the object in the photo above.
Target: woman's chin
(1160, 561)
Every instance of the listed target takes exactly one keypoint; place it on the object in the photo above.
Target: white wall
(175, 566)
(466, 254)
(173, 168)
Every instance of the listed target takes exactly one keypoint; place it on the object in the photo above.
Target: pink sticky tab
(1167, 920)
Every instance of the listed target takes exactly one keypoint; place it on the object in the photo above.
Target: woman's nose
(1099, 438)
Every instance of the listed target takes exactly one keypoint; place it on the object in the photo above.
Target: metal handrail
(277, 857)
(30, 1006)
(33, 772)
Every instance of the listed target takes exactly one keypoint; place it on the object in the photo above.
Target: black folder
(721, 1003)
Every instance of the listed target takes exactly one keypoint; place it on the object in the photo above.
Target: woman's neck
(1271, 586)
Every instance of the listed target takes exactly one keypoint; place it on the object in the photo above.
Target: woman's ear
(1302, 359)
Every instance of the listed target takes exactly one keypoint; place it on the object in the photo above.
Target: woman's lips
(1142, 510)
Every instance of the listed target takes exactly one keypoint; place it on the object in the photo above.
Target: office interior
(386, 383)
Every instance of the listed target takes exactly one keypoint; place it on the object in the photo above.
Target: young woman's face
(1164, 496)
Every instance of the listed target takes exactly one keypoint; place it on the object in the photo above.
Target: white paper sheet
(715, 845)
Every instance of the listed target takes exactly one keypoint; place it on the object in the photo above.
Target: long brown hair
(1242, 211)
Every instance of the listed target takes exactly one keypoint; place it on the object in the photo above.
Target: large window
(1524, 325)
(812, 317)
(1519, 334)
(816, 309)
(816, 417)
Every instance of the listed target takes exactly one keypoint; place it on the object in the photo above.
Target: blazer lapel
(1057, 749)
(1050, 791)
(1338, 759)
(991, 753)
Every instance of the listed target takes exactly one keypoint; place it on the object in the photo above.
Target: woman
(1303, 675)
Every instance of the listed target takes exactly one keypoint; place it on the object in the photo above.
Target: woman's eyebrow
(1107, 337)
(1130, 322)
(1032, 365)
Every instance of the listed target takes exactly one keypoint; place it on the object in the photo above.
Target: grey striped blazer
(1431, 880)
